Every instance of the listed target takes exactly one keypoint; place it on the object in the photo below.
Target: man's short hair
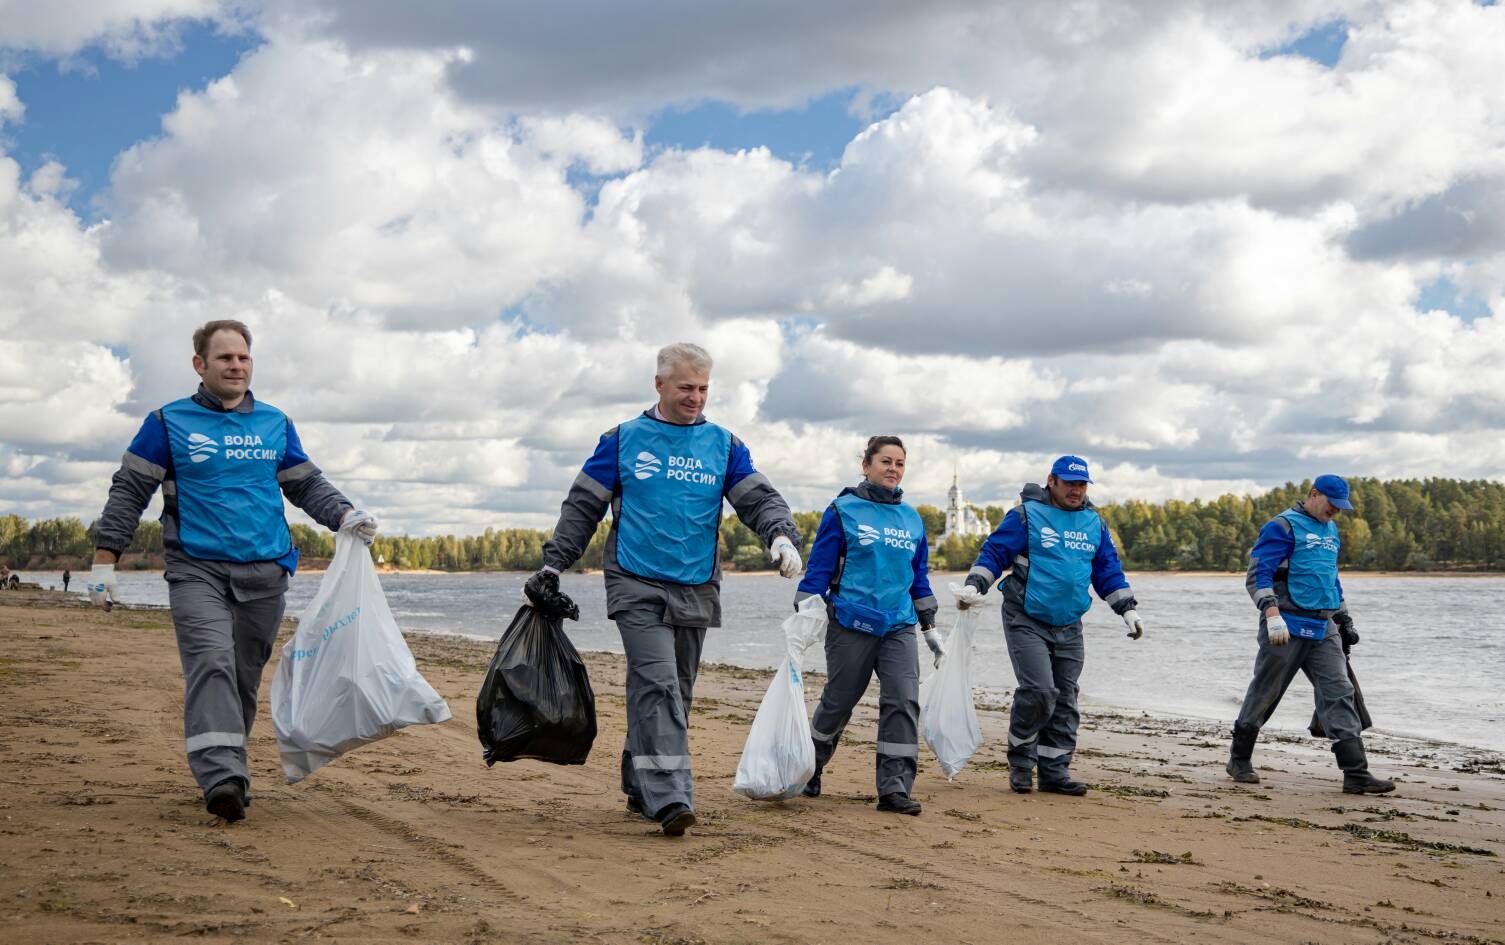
(202, 336)
(681, 352)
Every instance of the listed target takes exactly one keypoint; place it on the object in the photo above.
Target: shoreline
(80, 574)
(414, 839)
(1215, 717)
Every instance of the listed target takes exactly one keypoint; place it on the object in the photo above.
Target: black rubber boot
(899, 804)
(1063, 786)
(1022, 780)
(676, 819)
(812, 787)
(1239, 767)
(227, 799)
(1356, 776)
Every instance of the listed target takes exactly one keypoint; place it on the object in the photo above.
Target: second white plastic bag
(948, 717)
(346, 677)
(779, 757)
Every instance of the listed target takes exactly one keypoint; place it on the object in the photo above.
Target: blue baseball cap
(1335, 489)
(1074, 469)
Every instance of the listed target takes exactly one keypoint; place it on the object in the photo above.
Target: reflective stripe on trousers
(223, 645)
(662, 661)
(851, 660)
(1043, 720)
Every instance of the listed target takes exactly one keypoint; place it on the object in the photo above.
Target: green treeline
(1401, 525)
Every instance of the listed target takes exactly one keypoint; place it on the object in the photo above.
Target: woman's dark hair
(876, 443)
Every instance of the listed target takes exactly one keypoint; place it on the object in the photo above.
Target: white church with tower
(960, 518)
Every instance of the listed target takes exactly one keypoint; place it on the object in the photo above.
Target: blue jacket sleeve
(1108, 576)
(925, 604)
(602, 465)
(1271, 549)
(150, 442)
(294, 455)
(1008, 540)
(825, 554)
(920, 589)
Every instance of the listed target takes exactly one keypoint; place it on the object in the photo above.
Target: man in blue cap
(1293, 580)
(1056, 547)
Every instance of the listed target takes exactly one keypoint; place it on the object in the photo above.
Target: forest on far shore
(1398, 525)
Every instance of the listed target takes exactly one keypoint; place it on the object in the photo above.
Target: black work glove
(1346, 632)
(543, 593)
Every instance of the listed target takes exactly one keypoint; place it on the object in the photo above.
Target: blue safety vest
(872, 595)
(1062, 544)
(672, 478)
(1312, 575)
(225, 464)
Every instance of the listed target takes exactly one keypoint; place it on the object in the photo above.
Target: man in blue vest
(664, 475)
(1056, 547)
(1293, 580)
(224, 461)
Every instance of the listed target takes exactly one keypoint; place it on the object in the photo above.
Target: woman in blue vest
(869, 561)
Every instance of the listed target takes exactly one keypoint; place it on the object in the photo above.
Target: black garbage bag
(1365, 722)
(536, 700)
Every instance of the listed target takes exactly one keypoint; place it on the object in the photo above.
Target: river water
(1431, 660)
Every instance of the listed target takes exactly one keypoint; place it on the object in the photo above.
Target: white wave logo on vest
(647, 466)
(1313, 540)
(867, 534)
(201, 447)
(1049, 537)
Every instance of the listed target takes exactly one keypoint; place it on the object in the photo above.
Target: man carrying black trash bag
(1350, 638)
(1293, 581)
(536, 700)
(664, 475)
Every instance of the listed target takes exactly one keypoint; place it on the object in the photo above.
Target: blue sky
(1110, 250)
(89, 108)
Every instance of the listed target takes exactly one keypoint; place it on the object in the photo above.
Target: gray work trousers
(1043, 721)
(224, 641)
(662, 661)
(1323, 662)
(851, 660)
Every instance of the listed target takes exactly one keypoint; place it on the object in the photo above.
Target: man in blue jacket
(224, 461)
(664, 475)
(1056, 547)
(1293, 581)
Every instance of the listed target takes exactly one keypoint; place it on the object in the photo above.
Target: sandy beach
(104, 837)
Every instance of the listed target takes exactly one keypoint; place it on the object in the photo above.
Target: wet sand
(104, 837)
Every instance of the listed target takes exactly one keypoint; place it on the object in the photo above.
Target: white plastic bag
(779, 757)
(346, 677)
(948, 717)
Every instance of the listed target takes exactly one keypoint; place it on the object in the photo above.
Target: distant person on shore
(1059, 548)
(1293, 580)
(224, 461)
(870, 562)
(664, 475)
(67, 576)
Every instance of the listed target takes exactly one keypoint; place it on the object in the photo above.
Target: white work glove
(361, 524)
(967, 596)
(1135, 625)
(933, 640)
(783, 554)
(1277, 631)
(104, 591)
